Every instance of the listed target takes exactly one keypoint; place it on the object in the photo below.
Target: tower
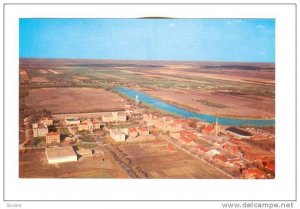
(136, 101)
(217, 127)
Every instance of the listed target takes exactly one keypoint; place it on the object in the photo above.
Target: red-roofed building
(184, 139)
(132, 132)
(187, 134)
(220, 159)
(208, 129)
(202, 149)
(143, 131)
(254, 173)
(270, 166)
(170, 148)
(231, 148)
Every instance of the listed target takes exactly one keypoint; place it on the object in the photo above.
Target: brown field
(33, 164)
(74, 100)
(219, 103)
(158, 162)
(243, 90)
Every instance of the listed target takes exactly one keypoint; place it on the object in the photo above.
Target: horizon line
(269, 62)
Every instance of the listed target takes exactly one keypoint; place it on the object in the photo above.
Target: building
(238, 133)
(117, 135)
(220, 159)
(132, 132)
(46, 121)
(202, 149)
(60, 154)
(114, 117)
(254, 173)
(143, 131)
(72, 121)
(52, 137)
(96, 125)
(39, 130)
(86, 126)
(208, 129)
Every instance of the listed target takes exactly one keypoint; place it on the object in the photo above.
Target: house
(117, 135)
(220, 159)
(96, 125)
(209, 129)
(52, 137)
(143, 131)
(72, 121)
(231, 148)
(253, 173)
(202, 149)
(39, 130)
(60, 154)
(46, 121)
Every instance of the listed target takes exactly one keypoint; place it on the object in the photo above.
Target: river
(161, 105)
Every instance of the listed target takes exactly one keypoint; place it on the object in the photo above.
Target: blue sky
(239, 40)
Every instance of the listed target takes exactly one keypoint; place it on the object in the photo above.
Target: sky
(229, 40)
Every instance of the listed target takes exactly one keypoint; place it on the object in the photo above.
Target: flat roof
(72, 119)
(60, 152)
(238, 131)
(116, 131)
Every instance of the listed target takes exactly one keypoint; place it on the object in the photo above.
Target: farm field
(242, 90)
(74, 100)
(33, 164)
(160, 160)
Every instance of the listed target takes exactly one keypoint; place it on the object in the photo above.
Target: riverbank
(161, 105)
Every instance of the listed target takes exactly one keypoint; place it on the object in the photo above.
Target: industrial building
(238, 133)
(60, 154)
(72, 121)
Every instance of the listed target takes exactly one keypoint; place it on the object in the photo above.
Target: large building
(238, 133)
(117, 135)
(72, 121)
(60, 154)
(39, 130)
(52, 137)
(114, 117)
(86, 126)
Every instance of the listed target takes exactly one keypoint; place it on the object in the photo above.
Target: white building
(60, 154)
(39, 129)
(86, 126)
(47, 121)
(114, 117)
(117, 135)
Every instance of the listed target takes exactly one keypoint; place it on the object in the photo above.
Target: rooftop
(53, 134)
(60, 152)
(238, 131)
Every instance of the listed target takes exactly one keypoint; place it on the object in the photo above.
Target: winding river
(160, 105)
